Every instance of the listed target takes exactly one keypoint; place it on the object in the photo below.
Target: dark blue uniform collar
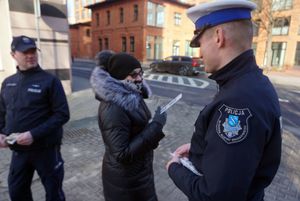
(242, 64)
(29, 71)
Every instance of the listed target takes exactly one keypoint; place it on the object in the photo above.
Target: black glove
(160, 118)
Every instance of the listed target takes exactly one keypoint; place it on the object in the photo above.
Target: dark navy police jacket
(34, 101)
(237, 138)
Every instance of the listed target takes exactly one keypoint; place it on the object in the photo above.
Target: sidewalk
(290, 77)
(83, 150)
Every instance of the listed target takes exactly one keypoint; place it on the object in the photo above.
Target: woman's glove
(160, 118)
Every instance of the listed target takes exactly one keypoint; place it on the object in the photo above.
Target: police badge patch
(232, 125)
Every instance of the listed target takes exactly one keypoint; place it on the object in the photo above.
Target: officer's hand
(25, 138)
(174, 159)
(3, 144)
(183, 150)
(160, 118)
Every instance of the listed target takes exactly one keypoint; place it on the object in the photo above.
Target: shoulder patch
(232, 125)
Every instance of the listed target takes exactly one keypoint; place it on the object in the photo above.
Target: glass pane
(297, 56)
(278, 53)
(158, 47)
(160, 16)
(150, 14)
(149, 47)
(285, 31)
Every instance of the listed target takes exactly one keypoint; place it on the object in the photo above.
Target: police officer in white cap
(236, 145)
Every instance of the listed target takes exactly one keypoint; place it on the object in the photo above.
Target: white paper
(172, 102)
(188, 164)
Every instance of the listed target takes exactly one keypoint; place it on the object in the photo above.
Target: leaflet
(188, 164)
(171, 103)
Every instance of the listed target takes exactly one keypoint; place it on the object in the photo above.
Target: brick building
(284, 37)
(81, 40)
(154, 29)
(147, 29)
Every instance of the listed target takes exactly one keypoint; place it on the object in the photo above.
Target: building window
(89, 2)
(132, 44)
(123, 44)
(188, 50)
(106, 45)
(255, 28)
(176, 47)
(97, 19)
(135, 12)
(121, 15)
(155, 14)
(108, 17)
(297, 56)
(76, 4)
(281, 26)
(177, 18)
(89, 13)
(82, 15)
(100, 44)
(88, 32)
(154, 47)
(149, 44)
(278, 53)
(158, 47)
(77, 16)
(282, 4)
(254, 47)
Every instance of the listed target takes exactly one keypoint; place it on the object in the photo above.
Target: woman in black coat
(129, 138)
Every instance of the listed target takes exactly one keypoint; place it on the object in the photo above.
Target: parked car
(180, 65)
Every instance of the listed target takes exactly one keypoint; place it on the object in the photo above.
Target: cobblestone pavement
(83, 149)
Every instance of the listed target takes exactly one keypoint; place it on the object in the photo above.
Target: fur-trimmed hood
(121, 93)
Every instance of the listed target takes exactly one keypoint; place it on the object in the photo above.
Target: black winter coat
(129, 139)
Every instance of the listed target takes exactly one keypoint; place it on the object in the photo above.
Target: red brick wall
(74, 42)
(81, 44)
(116, 30)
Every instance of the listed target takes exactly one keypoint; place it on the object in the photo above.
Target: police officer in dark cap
(236, 145)
(33, 109)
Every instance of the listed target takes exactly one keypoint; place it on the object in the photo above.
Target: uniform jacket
(237, 138)
(129, 139)
(34, 101)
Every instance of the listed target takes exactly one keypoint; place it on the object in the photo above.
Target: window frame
(108, 17)
(106, 43)
(297, 55)
(100, 44)
(97, 19)
(121, 10)
(281, 26)
(279, 5)
(278, 53)
(124, 43)
(135, 12)
(177, 18)
(132, 43)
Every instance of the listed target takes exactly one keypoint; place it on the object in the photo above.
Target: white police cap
(217, 12)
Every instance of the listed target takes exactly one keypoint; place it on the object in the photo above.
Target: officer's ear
(219, 36)
(12, 53)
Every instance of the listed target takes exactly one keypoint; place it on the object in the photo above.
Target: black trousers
(50, 167)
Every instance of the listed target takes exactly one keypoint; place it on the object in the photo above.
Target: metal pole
(37, 14)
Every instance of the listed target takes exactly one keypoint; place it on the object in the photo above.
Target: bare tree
(266, 16)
